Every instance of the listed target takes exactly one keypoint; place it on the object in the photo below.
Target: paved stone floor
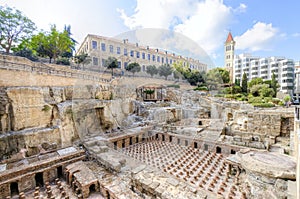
(203, 169)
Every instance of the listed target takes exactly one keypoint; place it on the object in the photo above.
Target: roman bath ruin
(68, 133)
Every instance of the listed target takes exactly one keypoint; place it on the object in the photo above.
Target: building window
(103, 62)
(95, 61)
(166, 60)
(137, 54)
(119, 64)
(153, 57)
(125, 51)
(149, 57)
(171, 61)
(158, 59)
(144, 68)
(111, 48)
(143, 55)
(94, 44)
(125, 64)
(118, 50)
(162, 60)
(103, 47)
(131, 53)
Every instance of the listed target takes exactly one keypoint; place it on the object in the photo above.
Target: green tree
(176, 74)
(262, 90)
(133, 68)
(26, 52)
(111, 63)
(274, 84)
(152, 70)
(69, 53)
(255, 81)
(195, 78)
(237, 82)
(213, 79)
(52, 44)
(82, 59)
(244, 83)
(165, 70)
(14, 27)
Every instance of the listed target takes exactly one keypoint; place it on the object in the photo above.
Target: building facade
(255, 67)
(297, 81)
(229, 55)
(99, 48)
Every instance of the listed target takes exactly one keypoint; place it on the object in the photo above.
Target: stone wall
(24, 175)
(58, 116)
(296, 153)
(19, 71)
(259, 128)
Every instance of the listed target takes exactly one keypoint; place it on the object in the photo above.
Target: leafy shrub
(174, 85)
(63, 61)
(281, 103)
(276, 101)
(201, 88)
(229, 96)
(46, 108)
(219, 95)
(149, 92)
(263, 105)
(268, 99)
(227, 90)
(25, 52)
(242, 98)
(255, 100)
(236, 89)
(287, 98)
(238, 95)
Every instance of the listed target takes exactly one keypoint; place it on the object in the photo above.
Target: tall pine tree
(244, 83)
(274, 84)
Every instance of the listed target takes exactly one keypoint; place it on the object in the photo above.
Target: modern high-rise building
(229, 55)
(297, 81)
(255, 67)
(99, 48)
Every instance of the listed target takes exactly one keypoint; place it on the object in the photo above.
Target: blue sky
(263, 28)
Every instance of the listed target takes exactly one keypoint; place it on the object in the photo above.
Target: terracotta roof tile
(229, 38)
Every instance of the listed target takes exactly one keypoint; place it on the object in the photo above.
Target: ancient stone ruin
(72, 134)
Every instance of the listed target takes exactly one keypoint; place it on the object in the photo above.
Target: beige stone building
(99, 48)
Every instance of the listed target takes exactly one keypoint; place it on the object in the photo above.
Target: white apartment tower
(229, 55)
(297, 81)
(255, 67)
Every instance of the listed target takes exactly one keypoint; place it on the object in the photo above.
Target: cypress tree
(244, 83)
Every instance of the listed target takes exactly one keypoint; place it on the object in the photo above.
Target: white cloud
(158, 13)
(242, 8)
(208, 24)
(297, 34)
(203, 21)
(259, 37)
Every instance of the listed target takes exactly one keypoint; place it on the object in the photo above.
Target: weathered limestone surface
(267, 174)
(151, 182)
(33, 116)
(28, 108)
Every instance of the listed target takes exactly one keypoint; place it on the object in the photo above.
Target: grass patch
(46, 108)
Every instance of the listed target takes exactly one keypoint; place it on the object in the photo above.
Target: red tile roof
(229, 38)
